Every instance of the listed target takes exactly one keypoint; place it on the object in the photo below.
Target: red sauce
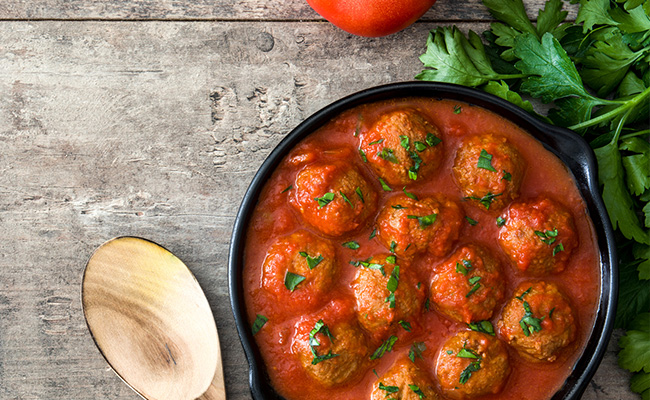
(274, 217)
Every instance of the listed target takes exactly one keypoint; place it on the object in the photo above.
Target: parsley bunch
(596, 73)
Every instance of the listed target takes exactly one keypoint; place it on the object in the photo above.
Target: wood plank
(218, 10)
(152, 129)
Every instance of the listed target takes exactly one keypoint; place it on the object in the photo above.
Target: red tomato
(371, 17)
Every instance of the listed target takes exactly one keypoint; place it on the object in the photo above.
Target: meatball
(385, 294)
(538, 235)
(330, 346)
(407, 226)
(333, 197)
(472, 364)
(403, 381)
(468, 286)
(489, 171)
(538, 321)
(402, 146)
(300, 269)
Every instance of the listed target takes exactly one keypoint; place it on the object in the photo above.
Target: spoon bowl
(152, 322)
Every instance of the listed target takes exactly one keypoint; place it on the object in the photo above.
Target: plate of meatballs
(418, 241)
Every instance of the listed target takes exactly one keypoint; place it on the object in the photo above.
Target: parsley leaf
(485, 161)
(451, 57)
(312, 262)
(385, 347)
(417, 348)
(635, 345)
(482, 326)
(292, 280)
(259, 322)
(325, 200)
(351, 245)
(424, 220)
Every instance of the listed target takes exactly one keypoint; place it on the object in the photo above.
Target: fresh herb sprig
(596, 73)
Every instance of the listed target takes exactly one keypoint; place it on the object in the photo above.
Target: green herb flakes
(388, 389)
(376, 142)
(406, 325)
(416, 389)
(351, 245)
(384, 185)
(287, 189)
(388, 155)
(482, 326)
(457, 109)
(409, 195)
(485, 161)
(501, 221)
(507, 176)
(385, 347)
(259, 322)
(416, 350)
(432, 140)
(359, 193)
(325, 200)
(471, 221)
(486, 200)
(292, 280)
(424, 220)
(363, 155)
(404, 141)
(320, 327)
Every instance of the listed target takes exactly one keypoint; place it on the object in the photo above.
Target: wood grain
(219, 10)
(152, 129)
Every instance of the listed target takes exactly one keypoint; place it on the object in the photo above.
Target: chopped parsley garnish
(476, 285)
(548, 237)
(558, 249)
(485, 161)
(373, 233)
(375, 142)
(391, 285)
(287, 189)
(417, 348)
(359, 193)
(506, 176)
(432, 140)
(388, 155)
(358, 128)
(404, 141)
(325, 200)
(450, 352)
(416, 389)
(409, 194)
(550, 314)
(467, 372)
(369, 265)
(471, 220)
(313, 342)
(521, 296)
(457, 109)
(413, 171)
(385, 347)
(399, 207)
(384, 185)
(486, 200)
(501, 221)
(391, 259)
(472, 367)
(351, 245)
(312, 262)
(259, 322)
(427, 304)
(388, 389)
(393, 246)
(424, 220)
(419, 146)
(482, 326)
(292, 280)
(406, 325)
(529, 324)
(363, 155)
(464, 268)
(346, 199)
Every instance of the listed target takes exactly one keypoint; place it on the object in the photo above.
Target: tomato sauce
(274, 217)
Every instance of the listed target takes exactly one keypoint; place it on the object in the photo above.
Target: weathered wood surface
(218, 10)
(153, 129)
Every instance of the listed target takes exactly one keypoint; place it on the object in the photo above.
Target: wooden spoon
(152, 322)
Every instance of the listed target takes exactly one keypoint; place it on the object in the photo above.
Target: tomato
(371, 17)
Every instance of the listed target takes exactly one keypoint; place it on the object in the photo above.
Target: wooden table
(149, 118)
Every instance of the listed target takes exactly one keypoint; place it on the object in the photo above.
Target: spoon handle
(217, 389)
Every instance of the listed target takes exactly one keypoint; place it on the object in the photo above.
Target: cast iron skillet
(566, 145)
